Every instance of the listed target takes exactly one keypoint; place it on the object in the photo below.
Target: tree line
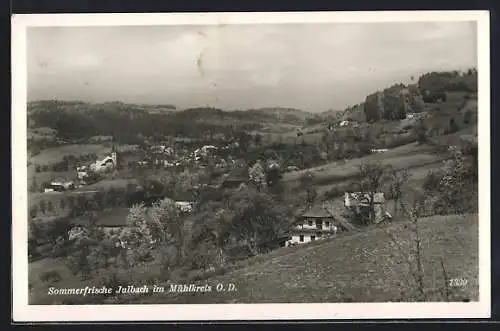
(67, 162)
(135, 124)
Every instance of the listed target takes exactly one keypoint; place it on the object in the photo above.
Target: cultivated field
(56, 154)
(51, 155)
(407, 156)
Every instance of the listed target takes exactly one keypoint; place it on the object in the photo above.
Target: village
(317, 222)
(209, 195)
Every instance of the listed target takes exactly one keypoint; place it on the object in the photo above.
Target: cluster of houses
(168, 157)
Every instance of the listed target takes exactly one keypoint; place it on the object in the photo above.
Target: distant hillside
(77, 120)
(260, 116)
(86, 107)
(288, 115)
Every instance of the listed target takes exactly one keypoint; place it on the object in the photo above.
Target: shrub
(42, 206)
(50, 276)
(60, 247)
(48, 231)
(456, 190)
(33, 211)
(432, 181)
(333, 193)
(50, 207)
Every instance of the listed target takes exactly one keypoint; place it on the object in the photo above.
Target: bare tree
(311, 195)
(398, 179)
(373, 176)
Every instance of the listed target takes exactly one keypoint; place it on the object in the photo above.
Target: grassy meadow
(407, 156)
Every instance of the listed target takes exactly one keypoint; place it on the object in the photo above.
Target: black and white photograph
(198, 166)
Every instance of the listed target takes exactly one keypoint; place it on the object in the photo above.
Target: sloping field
(417, 176)
(106, 184)
(51, 155)
(362, 267)
(407, 156)
(456, 138)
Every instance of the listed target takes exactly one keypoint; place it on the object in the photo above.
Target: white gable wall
(326, 224)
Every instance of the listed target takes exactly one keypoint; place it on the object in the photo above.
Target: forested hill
(75, 120)
(394, 102)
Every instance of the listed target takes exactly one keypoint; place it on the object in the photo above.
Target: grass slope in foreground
(362, 267)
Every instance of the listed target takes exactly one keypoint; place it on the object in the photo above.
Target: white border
(22, 312)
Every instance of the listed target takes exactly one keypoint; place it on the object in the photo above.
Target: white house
(349, 122)
(59, 186)
(204, 151)
(185, 206)
(379, 150)
(316, 223)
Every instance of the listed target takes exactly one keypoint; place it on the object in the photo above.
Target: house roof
(317, 211)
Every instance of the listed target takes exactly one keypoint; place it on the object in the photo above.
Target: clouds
(314, 66)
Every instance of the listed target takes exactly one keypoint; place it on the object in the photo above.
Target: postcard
(251, 166)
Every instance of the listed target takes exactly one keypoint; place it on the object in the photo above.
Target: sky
(314, 67)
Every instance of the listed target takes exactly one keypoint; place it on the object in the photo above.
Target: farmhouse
(204, 151)
(359, 203)
(316, 223)
(185, 206)
(59, 185)
(349, 123)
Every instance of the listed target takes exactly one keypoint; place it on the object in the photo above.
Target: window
(313, 238)
(310, 223)
(327, 224)
(301, 238)
(319, 224)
